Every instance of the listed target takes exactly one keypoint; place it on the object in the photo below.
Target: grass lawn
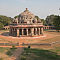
(6, 53)
(5, 30)
(39, 54)
(3, 49)
(56, 49)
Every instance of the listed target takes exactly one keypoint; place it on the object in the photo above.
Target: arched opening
(15, 32)
(29, 31)
(20, 31)
(33, 21)
(37, 30)
(25, 32)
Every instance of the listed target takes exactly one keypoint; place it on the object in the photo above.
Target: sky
(41, 8)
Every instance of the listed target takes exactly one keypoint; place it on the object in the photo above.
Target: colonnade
(26, 31)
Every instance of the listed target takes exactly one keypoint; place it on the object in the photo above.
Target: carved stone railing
(26, 24)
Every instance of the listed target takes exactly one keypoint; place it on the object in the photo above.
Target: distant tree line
(5, 21)
(52, 20)
(56, 22)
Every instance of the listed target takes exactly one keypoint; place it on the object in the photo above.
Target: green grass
(3, 49)
(39, 54)
(5, 30)
(11, 50)
(56, 49)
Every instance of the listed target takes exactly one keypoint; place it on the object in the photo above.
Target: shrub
(23, 58)
(13, 48)
(9, 53)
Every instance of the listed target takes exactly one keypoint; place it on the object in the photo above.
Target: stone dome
(27, 17)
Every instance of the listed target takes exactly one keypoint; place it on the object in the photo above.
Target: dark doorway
(20, 31)
(25, 32)
(29, 31)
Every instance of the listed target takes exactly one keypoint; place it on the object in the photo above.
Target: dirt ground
(48, 37)
(51, 37)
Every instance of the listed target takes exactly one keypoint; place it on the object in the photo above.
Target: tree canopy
(1, 25)
(37, 17)
(5, 21)
(56, 22)
(16, 16)
(49, 20)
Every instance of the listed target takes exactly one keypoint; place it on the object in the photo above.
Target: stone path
(17, 53)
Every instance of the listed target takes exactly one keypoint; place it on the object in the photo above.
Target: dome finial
(26, 8)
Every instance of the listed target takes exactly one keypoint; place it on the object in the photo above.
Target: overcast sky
(41, 8)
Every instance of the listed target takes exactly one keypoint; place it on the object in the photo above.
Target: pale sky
(41, 8)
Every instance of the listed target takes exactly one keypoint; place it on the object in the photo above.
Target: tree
(56, 22)
(1, 25)
(5, 20)
(49, 20)
(37, 17)
(16, 16)
(44, 22)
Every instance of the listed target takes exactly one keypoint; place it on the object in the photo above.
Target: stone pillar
(39, 30)
(27, 31)
(42, 30)
(17, 32)
(35, 31)
(32, 31)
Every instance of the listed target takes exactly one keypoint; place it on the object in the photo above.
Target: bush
(1, 25)
(13, 48)
(9, 53)
(23, 58)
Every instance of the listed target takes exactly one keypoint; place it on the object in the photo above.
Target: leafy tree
(5, 21)
(49, 20)
(44, 22)
(37, 17)
(56, 22)
(1, 25)
(16, 16)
